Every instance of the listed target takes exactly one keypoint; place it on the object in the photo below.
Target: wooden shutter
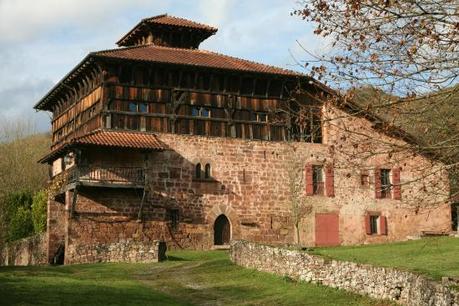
(329, 181)
(383, 225)
(397, 190)
(308, 179)
(367, 224)
(378, 193)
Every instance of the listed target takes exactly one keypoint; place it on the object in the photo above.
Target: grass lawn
(187, 278)
(434, 257)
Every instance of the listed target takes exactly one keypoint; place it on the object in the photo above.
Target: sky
(42, 40)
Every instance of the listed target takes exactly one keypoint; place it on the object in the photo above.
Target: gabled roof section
(109, 138)
(165, 20)
(191, 57)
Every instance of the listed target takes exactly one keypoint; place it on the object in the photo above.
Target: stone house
(160, 140)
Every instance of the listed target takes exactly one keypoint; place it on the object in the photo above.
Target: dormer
(167, 31)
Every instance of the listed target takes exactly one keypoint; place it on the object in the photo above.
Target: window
(132, 107)
(197, 171)
(376, 224)
(143, 107)
(385, 183)
(364, 179)
(207, 172)
(262, 117)
(318, 180)
(200, 112)
(374, 221)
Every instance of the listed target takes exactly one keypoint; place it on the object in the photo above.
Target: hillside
(19, 170)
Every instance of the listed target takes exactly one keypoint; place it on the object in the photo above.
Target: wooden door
(327, 229)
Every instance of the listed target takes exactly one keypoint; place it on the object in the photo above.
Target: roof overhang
(109, 139)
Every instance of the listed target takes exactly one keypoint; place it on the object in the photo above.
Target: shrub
(39, 210)
(21, 224)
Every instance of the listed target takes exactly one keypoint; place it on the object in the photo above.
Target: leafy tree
(21, 224)
(39, 211)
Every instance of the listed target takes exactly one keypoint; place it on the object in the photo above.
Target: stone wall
(56, 225)
(381, 283)
(25, 252)
(251, 184)
(120, 251)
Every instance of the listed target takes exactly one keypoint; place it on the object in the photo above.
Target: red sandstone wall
(252, 185)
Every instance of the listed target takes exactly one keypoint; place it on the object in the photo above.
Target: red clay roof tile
(121, 139)
(168, 21)
(109, 138)
(181, 22)
(191, 57)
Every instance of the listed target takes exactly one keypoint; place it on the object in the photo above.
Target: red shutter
(308, 179)
(396, 184)
(367, 224)
(329, 181)
(383, 225)
(378, 193)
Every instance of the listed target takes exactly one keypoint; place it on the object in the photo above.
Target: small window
(374, 221)
(133, 107)
(143, 107)
(318, 180)
(197, 172)
(385, 183)
(205, 112)
(364, 180)
(200, 112)
(262, 117)
(207, 172)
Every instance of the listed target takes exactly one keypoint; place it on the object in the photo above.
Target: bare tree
(398, 60)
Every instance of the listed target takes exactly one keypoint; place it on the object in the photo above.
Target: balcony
(111, 177)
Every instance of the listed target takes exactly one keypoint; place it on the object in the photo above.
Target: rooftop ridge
(279, 70)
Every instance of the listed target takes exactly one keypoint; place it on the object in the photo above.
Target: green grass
(187, 278)
(434, 257)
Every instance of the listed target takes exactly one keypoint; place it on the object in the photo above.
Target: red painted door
(327, 229)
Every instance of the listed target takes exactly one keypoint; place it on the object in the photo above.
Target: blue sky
(40, 41)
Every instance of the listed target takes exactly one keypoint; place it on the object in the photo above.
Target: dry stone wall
(25, 252)
(403, 287)
(120, 251)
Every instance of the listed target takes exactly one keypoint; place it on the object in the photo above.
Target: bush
(39, 210)
(14, 200)
(21, 224)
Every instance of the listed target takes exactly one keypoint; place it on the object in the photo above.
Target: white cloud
(23, 19)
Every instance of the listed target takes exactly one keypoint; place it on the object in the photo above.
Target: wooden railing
(108, 175)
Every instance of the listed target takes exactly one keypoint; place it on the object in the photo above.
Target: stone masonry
(251, 185)
(405, 288)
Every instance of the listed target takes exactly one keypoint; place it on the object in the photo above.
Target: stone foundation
(25, 252)
(121, 251)
(405, 288)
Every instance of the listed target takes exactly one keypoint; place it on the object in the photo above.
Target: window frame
(374, 224)
(318, 187)
(386, 183)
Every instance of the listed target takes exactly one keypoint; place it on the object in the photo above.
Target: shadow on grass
(176, 258)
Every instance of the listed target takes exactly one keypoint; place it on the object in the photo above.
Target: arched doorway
(222, 231)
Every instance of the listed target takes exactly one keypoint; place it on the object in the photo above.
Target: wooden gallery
(160, 140)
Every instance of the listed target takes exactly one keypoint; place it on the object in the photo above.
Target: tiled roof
(109, 138)
(121, 139)
(191, 57)
(181, 22)
(168, 21)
